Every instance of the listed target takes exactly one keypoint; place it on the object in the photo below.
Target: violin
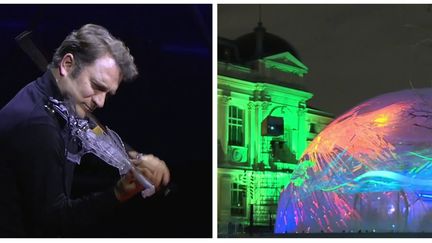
(84, 136)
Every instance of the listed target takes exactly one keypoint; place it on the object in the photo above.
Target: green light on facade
(263, 129)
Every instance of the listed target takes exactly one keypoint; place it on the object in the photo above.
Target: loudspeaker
(272, 126)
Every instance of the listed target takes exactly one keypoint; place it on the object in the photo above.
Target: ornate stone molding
(224, 100)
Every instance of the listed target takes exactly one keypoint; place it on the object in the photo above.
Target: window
(235, 126)
(313, 128)
(238, 200)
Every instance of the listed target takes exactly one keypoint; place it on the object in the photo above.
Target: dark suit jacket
(35, 176)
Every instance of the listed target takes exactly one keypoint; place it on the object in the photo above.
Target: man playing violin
(35, 174)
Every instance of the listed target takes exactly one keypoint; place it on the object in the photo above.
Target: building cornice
(247, 87)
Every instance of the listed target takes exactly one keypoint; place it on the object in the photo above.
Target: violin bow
(27, 45)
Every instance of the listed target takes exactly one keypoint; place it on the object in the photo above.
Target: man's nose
(99, 99)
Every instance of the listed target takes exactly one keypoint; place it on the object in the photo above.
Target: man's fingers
(129, 177)
(150, 160)
(153, 168)
(136, 162)
(166, 177)
(154, 177)
(133, 154)
(147, 173)
(158, 180)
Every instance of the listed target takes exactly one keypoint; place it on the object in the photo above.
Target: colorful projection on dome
(369, 170)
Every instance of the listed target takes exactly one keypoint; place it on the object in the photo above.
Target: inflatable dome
(369, 170)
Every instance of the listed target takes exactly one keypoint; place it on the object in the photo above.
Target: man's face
(93, 84)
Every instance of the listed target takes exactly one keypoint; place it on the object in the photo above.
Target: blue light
(425, 196)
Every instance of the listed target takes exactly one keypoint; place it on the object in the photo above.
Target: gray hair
(91, 42)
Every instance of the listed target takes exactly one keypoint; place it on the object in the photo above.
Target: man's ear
(67, 64)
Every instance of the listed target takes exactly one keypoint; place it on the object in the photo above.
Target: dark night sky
(354, 52)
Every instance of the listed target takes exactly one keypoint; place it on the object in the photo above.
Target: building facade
(264, 125)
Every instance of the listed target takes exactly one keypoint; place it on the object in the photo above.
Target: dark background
(167, 111)
(353, 51)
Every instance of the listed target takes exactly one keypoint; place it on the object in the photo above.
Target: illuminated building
(264, 125)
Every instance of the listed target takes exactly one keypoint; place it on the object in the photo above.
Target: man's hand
(154, 169)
